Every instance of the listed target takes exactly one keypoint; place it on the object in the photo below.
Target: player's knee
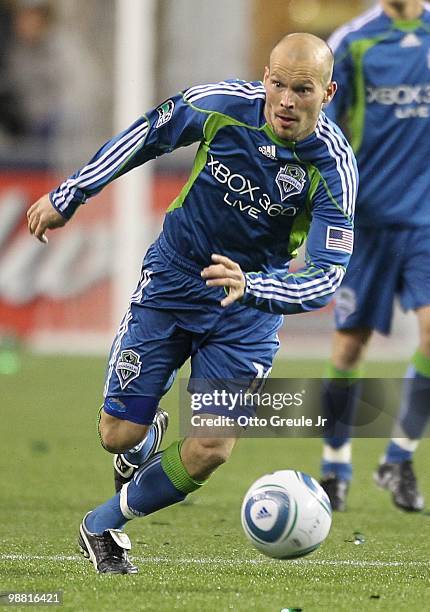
(423, 314)
(425, 341)
(119, 441)
(118, 436)
(110, 441)
(349, 347)
(211, 453)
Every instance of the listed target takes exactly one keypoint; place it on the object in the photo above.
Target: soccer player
(270, 170)
(382, 66)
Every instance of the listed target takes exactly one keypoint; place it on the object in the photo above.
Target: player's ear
(330, 92)
(266, 73)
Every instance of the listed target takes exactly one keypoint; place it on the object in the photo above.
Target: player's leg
(174, 473)
(118, 435)
(121, 428)
(160, 348)
(239, 341)
(202, 456)
(145, 356)
(148, 437)
(363, 303)
(395, 471)
(340, 394)
(126, 463)
(166, 479)
(142, 367)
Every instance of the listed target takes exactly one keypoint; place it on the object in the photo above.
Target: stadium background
(73, 90)
(68, 297)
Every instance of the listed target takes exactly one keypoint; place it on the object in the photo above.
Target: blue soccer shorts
(172, 316)
(386, 263)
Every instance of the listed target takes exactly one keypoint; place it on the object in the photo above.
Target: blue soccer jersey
(250, 196)
(382, 68)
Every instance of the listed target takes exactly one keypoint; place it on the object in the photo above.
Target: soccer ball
(286, 514)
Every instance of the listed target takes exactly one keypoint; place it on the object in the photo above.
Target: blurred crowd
(57, 65)
(51, 88)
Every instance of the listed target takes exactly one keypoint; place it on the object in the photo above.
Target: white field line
(219, 561)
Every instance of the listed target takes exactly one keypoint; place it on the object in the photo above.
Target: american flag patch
(339, 239)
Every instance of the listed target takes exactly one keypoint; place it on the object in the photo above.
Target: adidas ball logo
(263, 513)
(269, 151)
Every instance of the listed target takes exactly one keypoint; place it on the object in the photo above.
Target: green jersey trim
(268, 130)
(199, 163)
(357, 111)
(316, 177)
(300, 228)
(358, 49)
(215, 122)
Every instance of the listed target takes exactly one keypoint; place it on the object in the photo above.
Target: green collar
(289, 144)
(407, 26)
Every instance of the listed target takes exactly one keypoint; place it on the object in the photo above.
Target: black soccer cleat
(337, 491)
(399, 478)
(107, 551)
(123, 469)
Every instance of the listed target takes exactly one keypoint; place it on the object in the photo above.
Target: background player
(270, 169)
(382, 66)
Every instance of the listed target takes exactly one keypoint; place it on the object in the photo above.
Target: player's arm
(312, 286)
(328, 250)
(171, 125)
(328, 247)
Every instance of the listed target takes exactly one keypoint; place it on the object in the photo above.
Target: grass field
(193, 556)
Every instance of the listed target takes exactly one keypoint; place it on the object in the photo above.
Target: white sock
(342, 454)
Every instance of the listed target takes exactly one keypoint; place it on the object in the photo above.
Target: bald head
(307, 49)
(298, 82)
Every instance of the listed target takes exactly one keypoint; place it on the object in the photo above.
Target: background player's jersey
(250, 195)
(383, 71)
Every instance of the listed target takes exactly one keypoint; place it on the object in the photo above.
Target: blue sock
(340, 470)
(141, 452)
(339, 403)
(415, 409)
(161, 482)
(106, 516)
(151, 479)
(396, 454)
(339, 398)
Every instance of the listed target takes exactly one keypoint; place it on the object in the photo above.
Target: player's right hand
(42, 216)
(225, 273)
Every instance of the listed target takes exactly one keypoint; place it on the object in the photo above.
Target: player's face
(294, 96)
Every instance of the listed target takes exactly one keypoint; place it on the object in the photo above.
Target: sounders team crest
(128, 367)
(290, 180)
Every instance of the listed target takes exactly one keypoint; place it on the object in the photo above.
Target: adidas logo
(410, 40)
(263, 513)
(269, 151)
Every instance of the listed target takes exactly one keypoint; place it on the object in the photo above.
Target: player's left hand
(225, 273)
